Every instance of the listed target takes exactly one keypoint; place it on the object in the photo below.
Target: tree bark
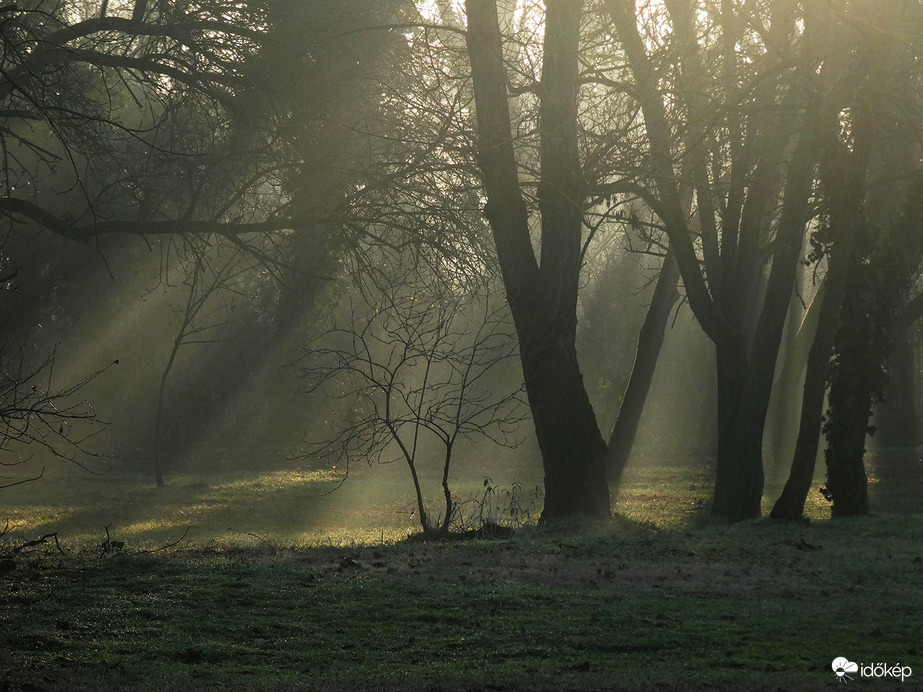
(850, 402)
(739, 466)
(573, 451)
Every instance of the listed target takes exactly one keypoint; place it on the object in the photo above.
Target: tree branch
(62, 227)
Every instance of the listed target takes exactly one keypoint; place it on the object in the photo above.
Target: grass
(654, 599)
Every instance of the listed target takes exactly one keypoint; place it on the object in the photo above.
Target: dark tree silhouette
(542, 293)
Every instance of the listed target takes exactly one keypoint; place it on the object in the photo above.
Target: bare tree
(419, 366)
(36, 412)
(212, 277)
(542, 291)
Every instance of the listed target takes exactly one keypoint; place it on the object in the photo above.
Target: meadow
(348, 596)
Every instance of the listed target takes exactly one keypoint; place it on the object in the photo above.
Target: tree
(542, 293)
(36, 412)
(650, 341)
(211, 283)
(161, 120)
(863, 343)
(115, 119)
(871, 255)
(318, 112)
(741, 120)
(416, 366)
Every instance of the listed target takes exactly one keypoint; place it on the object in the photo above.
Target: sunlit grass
(291, 506)
(303, 506)
(665, 496)
(283, 584)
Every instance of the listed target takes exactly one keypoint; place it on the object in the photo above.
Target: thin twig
(168, 545)
(39, 541)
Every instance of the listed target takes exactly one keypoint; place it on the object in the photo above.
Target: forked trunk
(542, 296)
(573, 450)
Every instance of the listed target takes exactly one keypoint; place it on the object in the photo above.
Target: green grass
(615, 605)
(655, 599)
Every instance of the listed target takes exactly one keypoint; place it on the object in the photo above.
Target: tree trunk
(790, 505)
(573, 451)
(877, 281)
(650, 341)
(843, 174)
(787, 397)
(542, 299)
(847, 424)
(746, 367)
(739, 472)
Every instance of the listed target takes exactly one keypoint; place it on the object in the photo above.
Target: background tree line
(281, 159)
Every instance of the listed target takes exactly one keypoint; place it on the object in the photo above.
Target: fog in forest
(236, 406)
(383, 264)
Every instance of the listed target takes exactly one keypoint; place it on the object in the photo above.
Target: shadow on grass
(275, 506)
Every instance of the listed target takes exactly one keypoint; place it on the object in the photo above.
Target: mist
(302, 257)
(429, 344)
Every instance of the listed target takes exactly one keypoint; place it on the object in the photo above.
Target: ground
(634, 603)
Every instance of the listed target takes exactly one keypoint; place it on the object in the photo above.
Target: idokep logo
(843, 667)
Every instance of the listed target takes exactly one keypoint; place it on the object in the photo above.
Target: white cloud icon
(841, 666)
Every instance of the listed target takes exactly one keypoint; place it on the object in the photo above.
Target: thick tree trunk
(739, 475)
(847, 424)
(573, 451)
(650, 341)
(542, 298)
(855, 380)
(739, 465)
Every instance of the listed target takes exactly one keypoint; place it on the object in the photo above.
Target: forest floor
(632, 603)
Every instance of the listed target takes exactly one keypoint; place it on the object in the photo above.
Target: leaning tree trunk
(650, 341)
(787, 397)
(790, 505)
